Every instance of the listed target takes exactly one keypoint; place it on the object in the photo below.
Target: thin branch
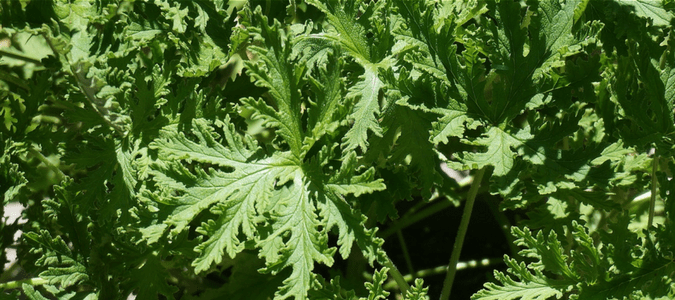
(406, 254)
(47, 163)
(396, 274)
(461, 233)
(486, 262)
(17, 283)
(652, 200)
(20, 57)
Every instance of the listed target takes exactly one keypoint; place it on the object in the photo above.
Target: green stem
(406, 254)
(9, 78)
(486, 262)
(47, 163)
(294, 8)
(17, 283)
(461, 233)
(394, 272)
(412, 216)
(20, 57)
(407, 221)
(504, 225)
(9, 272)
(85, 85)
(652, 199)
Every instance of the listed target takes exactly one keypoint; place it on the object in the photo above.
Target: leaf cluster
(247, 149)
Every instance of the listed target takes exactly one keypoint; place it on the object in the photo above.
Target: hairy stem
(461, 233)
(486, 262)
(406, 254)
(17, 283)
(47, 163)
(20, 57)
(407, 221)
(652, 199)
(9, 78)
(398, 277)
(504, 225)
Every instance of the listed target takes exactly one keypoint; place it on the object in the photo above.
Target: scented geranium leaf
(417, 291)
(351, 225)
(275, 71)
(653, 10)
(332, 291)
(614, 153)
(174, 14)
(515, 290)
(530, 282)
(518, 76)
(324, 114)
(75, 17)
(376, 288)
(650, 66)
(235, 193)
(499, 152)
(305, 243)
(63, 267)
(547, 250)
(366, 108)
(345, 181)
(650, 282)
(633, 266)
(410, 125)
(125, 181)
(336, 211)
(591, 270)
(31, 293)
(348, 30)
(10, 175)
(312, 49)
(151, 280)
(587, 256)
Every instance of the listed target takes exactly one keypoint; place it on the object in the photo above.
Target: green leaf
(417, 291)
(366, 108)
(653, 10)
(63, 267)
(376, 288)
(304, 246)
(510, 289)
(275, 71)
(151, 280)
(237, 193)
(348, 32)
(31, 293)
(499, 152)
(13, 179)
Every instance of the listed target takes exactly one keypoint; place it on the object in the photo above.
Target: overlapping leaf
(281, 201)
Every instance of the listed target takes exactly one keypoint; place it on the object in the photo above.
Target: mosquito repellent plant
(285, 150)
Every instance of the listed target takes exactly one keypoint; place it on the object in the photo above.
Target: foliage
(252, 149)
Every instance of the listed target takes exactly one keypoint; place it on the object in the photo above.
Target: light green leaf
(499, 154)
(650, 9)
(275, 71)
(366, 109)
(237, 192)
(376, 288)
(304, 246)
(512, 290)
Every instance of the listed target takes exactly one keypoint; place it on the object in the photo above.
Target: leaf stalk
(461, 234)
(17, 283)
(396, 274)
(652, 199)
